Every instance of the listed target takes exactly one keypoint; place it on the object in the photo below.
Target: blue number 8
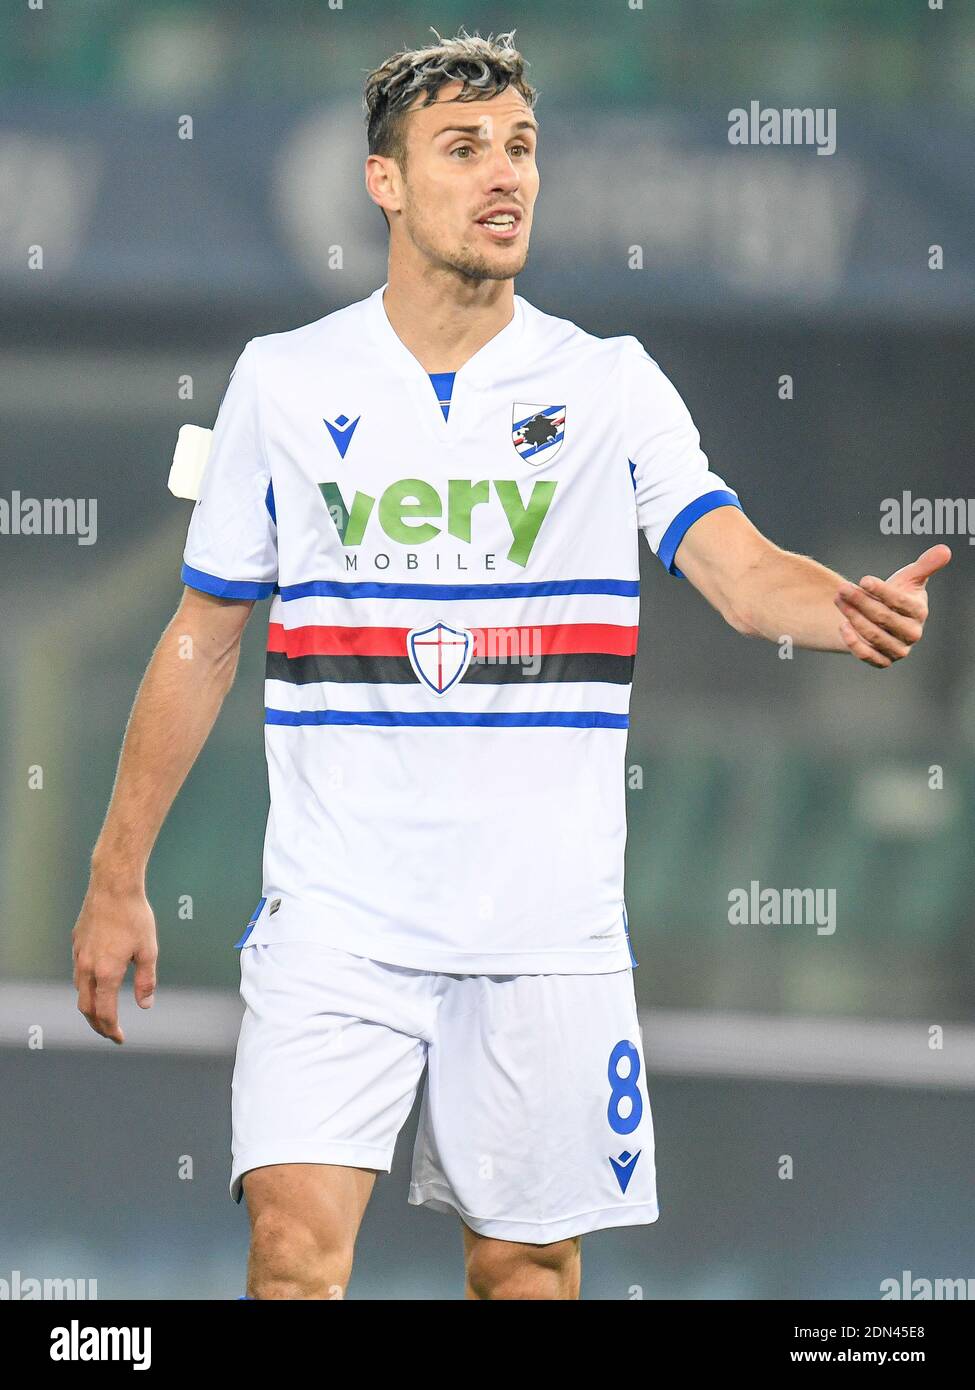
(621, 1086)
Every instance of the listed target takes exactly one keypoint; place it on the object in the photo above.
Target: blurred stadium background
(162, 256)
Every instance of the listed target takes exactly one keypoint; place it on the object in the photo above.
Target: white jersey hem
(604, 961)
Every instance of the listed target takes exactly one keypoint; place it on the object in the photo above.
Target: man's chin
(501, 267)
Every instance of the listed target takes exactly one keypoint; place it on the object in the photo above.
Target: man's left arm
(764, 591)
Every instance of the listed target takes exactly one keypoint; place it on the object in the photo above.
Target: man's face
(467, 160)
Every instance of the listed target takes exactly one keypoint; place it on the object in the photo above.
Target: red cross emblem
(439, 655)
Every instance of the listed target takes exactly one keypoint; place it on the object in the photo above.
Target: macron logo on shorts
(623, 1167)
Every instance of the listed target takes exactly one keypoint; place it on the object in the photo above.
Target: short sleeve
(232, 542)
(671, 479)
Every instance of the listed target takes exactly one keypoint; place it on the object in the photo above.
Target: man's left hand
(882, 620)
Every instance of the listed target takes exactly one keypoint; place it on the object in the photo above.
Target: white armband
(189, 460)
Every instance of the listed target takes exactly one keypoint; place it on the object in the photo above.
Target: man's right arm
(178, 701)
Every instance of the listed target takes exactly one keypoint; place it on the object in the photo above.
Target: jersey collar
(479, 370)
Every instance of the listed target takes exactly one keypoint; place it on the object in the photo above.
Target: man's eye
(462, 149)
(523, 147)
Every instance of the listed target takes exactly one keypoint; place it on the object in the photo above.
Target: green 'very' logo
(408, 510)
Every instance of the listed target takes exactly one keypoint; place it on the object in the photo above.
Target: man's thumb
(924, 566)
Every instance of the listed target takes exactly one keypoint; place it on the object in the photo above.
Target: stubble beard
(469, 263)
(465, 260)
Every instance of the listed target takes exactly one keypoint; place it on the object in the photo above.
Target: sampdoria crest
(537, 431)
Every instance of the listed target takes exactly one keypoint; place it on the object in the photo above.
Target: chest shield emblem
(439, 655)
(537, 431)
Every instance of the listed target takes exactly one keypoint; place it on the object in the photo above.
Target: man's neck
(444, 321)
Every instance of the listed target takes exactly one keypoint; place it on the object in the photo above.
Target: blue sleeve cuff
(685, 519)
(226, 588)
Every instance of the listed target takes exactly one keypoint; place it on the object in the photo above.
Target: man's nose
(501, 172)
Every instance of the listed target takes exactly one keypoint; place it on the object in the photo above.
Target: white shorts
(535, 1121)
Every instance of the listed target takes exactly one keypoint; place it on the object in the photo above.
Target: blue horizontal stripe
(685, 519)
(225, 588)
(572, 719)
(334, 588)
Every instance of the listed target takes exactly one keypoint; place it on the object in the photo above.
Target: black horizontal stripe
(396, 670)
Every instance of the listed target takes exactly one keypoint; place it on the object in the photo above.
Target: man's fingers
(85, 985)
(106, 1007)
(910, 602)
(98, 998)
(903, 622)
(862, 649)
(879, 638)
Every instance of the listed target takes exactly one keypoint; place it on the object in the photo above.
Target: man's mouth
(502, 225)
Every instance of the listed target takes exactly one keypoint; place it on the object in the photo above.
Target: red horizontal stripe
(544, 639)
(588, 637)
(337, 641)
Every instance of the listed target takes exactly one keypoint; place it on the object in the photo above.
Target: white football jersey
(452, 628)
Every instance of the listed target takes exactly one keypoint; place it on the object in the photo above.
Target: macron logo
(623, 1167)
(342, 431)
